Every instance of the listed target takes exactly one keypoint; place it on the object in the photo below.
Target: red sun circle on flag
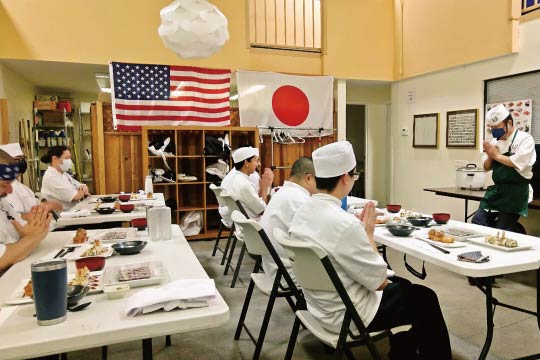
(290, 105)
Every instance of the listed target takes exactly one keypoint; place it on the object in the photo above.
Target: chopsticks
(63, 252)
(444, 251)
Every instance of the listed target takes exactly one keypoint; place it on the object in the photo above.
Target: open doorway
(356, 135)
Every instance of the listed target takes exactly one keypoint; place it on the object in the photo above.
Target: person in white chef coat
(511, 156)
(236, 183)
(57, 183)
(22, 199)
(352, 250)
(282, 207)
(29, 236)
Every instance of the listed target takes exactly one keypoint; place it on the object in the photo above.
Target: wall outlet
(404, 132)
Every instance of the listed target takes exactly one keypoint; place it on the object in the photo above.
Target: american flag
(168, 95)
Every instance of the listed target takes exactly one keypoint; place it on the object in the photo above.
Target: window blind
(517, 87)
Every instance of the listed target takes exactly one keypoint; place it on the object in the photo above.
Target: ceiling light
(103, 82)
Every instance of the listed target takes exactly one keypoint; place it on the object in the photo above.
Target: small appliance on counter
(470, 177)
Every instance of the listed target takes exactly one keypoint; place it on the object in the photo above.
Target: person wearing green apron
(510, 155)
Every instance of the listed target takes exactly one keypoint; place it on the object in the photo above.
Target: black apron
(510, 194)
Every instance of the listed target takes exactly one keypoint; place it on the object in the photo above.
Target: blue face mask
(498, 133)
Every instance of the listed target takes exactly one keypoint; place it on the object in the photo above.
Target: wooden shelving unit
(189, 159)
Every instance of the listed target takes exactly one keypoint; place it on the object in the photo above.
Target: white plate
(18, 298)
(76, 254)
(482, 241)
(157, 273)
(91, 234)
(440, 243)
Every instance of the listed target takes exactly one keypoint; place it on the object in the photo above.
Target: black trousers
(498, 220)
(406, 303)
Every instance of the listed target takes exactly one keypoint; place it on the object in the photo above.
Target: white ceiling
(59, 76)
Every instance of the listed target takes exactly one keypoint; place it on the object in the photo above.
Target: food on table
(85, 278)
(135, 273)
(386, 220)
(440, 236)
(501, 240)
(112, 235)
(28, 290)
(81, 278)
(80, 236)
(96, 250)
(459, 232)
(116, 205)
(404, 213)
(149, 195)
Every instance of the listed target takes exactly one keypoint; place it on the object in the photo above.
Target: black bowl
(107, 199)
(129, 247)
(420, 221)
(75, 293)
(105, 210)
(400, 230)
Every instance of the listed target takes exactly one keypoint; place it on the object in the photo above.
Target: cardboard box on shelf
(44, 105)
(53, 117)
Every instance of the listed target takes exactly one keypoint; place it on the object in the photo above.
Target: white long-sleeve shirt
(279, 214)
(59, 186)
(361, 269)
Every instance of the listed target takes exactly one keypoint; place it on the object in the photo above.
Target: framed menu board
(461, 128)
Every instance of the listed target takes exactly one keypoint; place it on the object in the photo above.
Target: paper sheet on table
(75, 213)
(177, 294)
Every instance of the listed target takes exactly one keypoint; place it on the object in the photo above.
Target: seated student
(282, 207)
(353, 252)
(57, 184)
(21, 200)
(30, 235)
(237, 184)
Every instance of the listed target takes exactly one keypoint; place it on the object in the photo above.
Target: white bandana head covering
(334, 159)
(496, 115)
(8, 172)
(244, 153)
(14, 150)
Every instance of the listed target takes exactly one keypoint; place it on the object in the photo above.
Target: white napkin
(75, 213)
(176, 294)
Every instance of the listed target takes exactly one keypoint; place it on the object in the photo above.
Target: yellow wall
(359, 39)
(20, 93)
(442, 34)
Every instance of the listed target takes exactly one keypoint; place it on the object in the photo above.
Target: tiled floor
(516, 334)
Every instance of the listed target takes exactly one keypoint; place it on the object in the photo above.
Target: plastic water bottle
(148, 186)
(159, 222)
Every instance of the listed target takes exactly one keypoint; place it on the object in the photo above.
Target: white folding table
(95, 218)
(103, 322)
(501, 262)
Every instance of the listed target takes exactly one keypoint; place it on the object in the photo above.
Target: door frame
(367, 163)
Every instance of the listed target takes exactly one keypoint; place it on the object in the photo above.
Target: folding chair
(258, 244)
(223, 224)
(314, 271)
(233, 205)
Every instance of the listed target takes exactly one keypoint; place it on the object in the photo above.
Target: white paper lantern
(193, 28)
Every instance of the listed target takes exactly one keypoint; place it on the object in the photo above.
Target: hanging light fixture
(193, 28)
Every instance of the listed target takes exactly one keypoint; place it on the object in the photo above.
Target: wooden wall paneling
(4, 122)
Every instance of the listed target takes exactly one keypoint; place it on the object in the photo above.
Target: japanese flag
(280, 100)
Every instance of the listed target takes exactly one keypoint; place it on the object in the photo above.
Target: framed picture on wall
(461, 128)
(426, 131)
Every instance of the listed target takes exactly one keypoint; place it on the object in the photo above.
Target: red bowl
(441, 218)
(393, 208)
(127, 207)
(93, 263)
(140, 224)
(124, 197)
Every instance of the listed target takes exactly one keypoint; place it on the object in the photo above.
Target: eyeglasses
(355, 176)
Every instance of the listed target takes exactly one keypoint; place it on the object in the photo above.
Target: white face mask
(66, 165)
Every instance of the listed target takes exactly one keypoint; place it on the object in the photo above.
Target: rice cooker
(470, 177)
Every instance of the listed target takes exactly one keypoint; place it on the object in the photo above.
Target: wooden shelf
(189, 142)
(164, 184)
